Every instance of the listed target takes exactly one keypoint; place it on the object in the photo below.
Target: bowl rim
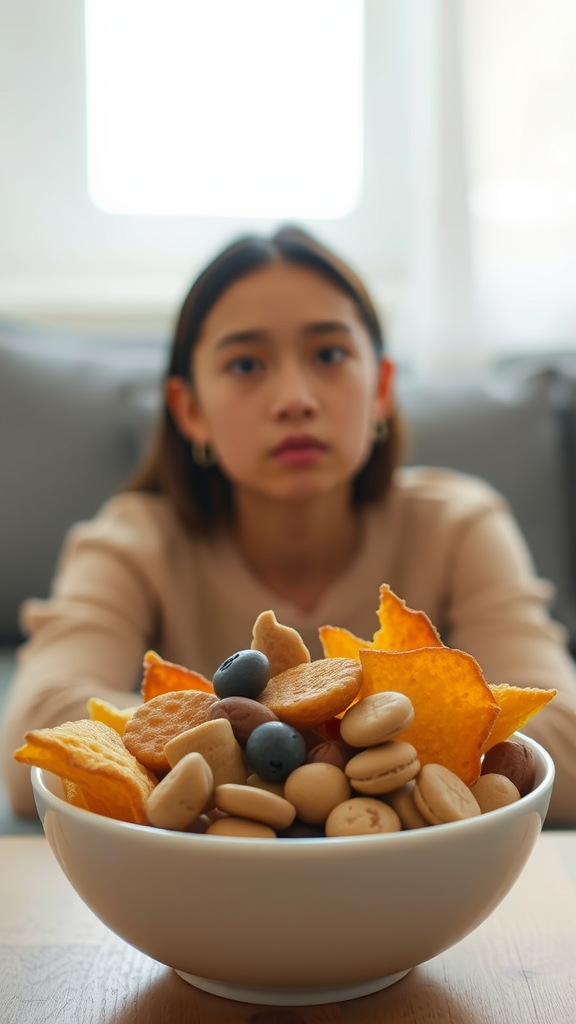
(526, 804)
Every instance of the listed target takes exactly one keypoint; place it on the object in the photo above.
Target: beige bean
(256, 804)
(271, 787)
(402, 801)
(493, 791)
(315, 789)
(240, 827)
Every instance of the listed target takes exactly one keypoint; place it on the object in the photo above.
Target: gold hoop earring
(203, 455)
(380, 432)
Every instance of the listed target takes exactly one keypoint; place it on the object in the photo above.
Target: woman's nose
(294, 396)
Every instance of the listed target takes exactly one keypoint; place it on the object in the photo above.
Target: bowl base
(291, 996)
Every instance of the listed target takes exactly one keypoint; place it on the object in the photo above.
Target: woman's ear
(384, 391)
(183, 405)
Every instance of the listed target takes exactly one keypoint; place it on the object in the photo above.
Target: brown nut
(515, 761)
(243, 714)
(329, 752)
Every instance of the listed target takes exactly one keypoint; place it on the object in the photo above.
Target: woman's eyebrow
(327, 327)
(239, 337)
(252, 334)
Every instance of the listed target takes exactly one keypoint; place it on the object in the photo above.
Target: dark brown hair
(202, 496)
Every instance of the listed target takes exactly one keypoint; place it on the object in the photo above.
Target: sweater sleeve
(88, 639)
(498, 612)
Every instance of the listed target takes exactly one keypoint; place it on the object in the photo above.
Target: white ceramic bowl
(290, 921)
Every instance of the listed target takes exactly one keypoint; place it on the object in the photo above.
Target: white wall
(63, 260)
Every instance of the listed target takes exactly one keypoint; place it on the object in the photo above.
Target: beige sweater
(134, 579)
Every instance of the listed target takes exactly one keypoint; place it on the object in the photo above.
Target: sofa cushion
(74, 416)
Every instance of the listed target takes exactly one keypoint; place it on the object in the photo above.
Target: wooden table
(59, 964)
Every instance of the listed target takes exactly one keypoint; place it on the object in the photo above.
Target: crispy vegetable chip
(401, 629)
(93, 757)
(454, 708)
(517, 705)
(79, 797)
(163, 677)
(104, 711)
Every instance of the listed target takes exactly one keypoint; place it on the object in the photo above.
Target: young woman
(274, 482)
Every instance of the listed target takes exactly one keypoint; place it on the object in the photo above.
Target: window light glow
(249, 108)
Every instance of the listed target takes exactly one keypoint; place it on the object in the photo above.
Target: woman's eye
(331, 354)
(244, 365)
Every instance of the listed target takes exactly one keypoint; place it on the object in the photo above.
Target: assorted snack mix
(399, 732)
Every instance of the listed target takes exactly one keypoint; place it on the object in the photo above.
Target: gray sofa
(76, 412)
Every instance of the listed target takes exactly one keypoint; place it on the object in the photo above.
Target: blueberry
(244, 674)
(275, 749)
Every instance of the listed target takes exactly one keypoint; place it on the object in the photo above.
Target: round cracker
(308, 694)
(160, 720)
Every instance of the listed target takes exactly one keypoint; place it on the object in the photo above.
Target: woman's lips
(299, 450)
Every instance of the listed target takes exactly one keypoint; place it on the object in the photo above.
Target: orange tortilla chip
(454, 708)
(104, 711)
(73, 794)
(80, 797)
(401, 629)
(517, 705)
(93, 757)
(340, 643)
(163, 677)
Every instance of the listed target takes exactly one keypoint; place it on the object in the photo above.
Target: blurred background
(431, 142)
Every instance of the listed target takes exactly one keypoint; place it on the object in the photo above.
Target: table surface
(58, 963)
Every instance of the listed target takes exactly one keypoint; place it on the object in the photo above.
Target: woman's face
(286, 384)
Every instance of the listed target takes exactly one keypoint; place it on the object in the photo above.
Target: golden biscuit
(282, 645)
(162, 718)
(441, 796)
(307, 695)
(362, 815)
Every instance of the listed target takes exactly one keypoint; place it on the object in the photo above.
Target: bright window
(520, 83)
(248, 108)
